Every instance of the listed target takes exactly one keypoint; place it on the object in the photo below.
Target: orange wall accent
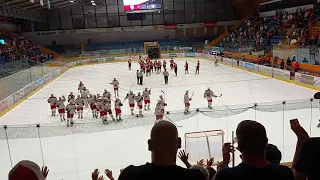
(254, 58)
(48, 51)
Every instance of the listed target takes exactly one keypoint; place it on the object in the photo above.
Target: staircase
(226, 33)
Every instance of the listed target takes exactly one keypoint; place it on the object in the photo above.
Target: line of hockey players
(147, 66)
(101, 105)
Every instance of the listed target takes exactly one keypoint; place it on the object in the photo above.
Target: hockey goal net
(204, 145)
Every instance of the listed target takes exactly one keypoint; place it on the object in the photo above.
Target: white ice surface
(74, 157)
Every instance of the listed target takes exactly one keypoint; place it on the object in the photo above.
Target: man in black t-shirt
(252, 141)
(307, 163)
(163, 144)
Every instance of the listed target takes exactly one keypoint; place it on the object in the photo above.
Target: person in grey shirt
(138, 79)
(141, 77)
(166, 76)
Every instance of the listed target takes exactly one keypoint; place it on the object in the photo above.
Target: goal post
(204, 145)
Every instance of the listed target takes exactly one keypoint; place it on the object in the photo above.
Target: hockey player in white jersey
(92, 102)
(187, 100)
(131, 97)
(107, 95)
(115, 84)
(61, 108)
(162, 102)
(108, 111)
(158, 112)
(146, 95)
(84, 92)
(117, 106)
(139, 100)
(80, 103)
(208, 94)
(80, 86)
(53, 104)
(71, 97)
(71, 109)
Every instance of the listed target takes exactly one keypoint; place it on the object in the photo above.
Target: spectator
(273, 154)
(203, 170)
(28, 170)
(307, 163)
(252, 142)
(296, 66)
(163, 144)
(282, 64)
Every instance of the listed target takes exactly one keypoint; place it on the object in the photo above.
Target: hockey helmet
(187, 91)
(71, 93)
(51, 95)
(161, 97)
(105, 90)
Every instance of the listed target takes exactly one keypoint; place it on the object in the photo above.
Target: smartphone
(294, 122)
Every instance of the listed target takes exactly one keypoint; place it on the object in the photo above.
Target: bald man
(163, 144)
(252, 142)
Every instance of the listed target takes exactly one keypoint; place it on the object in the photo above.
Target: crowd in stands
(17, 48)
(260, 160)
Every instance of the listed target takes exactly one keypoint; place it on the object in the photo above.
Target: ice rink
(74, 157)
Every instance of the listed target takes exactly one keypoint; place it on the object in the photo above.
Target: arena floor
(73, 157)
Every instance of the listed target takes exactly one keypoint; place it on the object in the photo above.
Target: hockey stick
(128, 91)
(164, 95)
(192, 94)
(172, 121)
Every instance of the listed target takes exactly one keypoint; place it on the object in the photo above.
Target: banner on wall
(173, 55)
(249, 66)
(189, 54)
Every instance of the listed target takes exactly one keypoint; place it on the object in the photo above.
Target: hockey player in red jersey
(151, 66)
(117, 106)
(171, 63)
(187, 100)
(159, 66)
(115, 84)
(61, 108)
(146, 95)
(80, 103)
(148, 67)
(131, 97)
(53, 104)
(139, 100)
(186, 68)
(164, 64)
(197, 67)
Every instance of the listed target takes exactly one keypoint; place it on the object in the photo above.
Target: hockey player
(139, 100)
(148, 67)
(107, 94)
(53, 104)
(166, 76)
(186, 68)
(164, 64)
(117, 106)
(187, 100)
(197, 67)
(158, 112)
(146, 96)
(71, 97)
(108, 110)
(151, 66)
(209, 94)
(84, 95)
(171, 63)
(131, 97)
(61, 108)
(71, 109)
(129, 64)
(159, 66)
(80, 86)
(80, 103)
(102, 110)
(175, 68)
(115, 84)
(93, 107)
(162, 102)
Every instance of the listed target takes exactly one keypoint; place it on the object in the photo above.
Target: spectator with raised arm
(28, 170)
(252, 141)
